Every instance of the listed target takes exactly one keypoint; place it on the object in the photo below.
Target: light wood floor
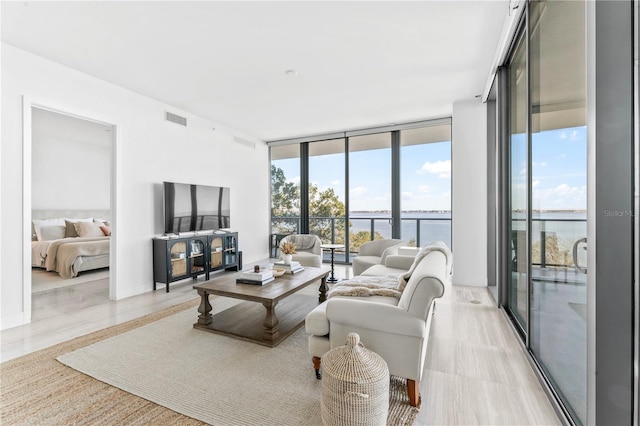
(476, 373)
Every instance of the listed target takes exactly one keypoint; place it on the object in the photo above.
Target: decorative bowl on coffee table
(278, 272)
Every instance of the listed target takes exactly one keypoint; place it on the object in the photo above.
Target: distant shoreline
(449, 211)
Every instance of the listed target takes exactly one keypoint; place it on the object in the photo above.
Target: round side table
(332, 247)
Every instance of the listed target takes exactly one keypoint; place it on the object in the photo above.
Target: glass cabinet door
(230, 250)
(197, 259)
(178, 266)
(216, 253)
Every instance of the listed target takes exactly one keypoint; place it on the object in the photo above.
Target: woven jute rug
(216, 373)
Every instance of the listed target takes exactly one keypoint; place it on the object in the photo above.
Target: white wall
(71, 165)
(469, 186)
(149, 150)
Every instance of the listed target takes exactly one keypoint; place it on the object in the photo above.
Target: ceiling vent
(175, 118)
(244, 142)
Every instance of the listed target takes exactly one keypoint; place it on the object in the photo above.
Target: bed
(70, 244)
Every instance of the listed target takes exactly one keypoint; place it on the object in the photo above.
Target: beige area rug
(37, 389)
(216, 379)
(42, 280)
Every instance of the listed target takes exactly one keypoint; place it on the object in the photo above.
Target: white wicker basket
(355, 386)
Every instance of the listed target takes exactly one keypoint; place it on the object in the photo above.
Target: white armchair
(308, 249)
(396, 329)
(374, 253)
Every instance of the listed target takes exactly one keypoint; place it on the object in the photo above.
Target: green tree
(326, 212)
(323, 206)
(285, 202)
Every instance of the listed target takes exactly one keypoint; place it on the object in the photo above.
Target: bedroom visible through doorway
(71, 193)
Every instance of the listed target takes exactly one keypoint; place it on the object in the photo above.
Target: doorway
(69, 177)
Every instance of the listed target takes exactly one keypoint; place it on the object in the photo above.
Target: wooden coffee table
(285, 309)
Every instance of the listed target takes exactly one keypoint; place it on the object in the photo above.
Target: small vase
(286, 258)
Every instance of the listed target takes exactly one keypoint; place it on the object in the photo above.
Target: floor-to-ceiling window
(547, 180)
(361, 186)
(425, 184)
(326, 192)
(369, 189)
(519, 186)
(558, 147)
(285, 189)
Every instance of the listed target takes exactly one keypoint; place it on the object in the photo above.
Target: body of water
(567, 226)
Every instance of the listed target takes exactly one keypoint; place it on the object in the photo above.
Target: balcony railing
(552, 244)
(415, 230)
(556, 242)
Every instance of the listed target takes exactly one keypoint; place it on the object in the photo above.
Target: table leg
(205, 308)
(323, 289)
(332, 279)
(270, 323)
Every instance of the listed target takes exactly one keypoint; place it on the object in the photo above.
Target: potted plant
(287, 248)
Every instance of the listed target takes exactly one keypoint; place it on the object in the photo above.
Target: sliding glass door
(558, 330)
(547, 209)
(519, 187)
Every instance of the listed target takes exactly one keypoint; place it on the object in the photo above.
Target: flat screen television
(189, 207)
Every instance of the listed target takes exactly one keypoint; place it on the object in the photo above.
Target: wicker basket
(355, 386)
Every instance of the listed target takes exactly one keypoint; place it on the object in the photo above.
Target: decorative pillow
(88, 229)
(39, 223)
(53, 232)
(102, 221)
(106, 230)
(71, 230)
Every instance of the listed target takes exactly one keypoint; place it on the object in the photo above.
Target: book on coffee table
(289, 268)
(261, 275)
(254, 282)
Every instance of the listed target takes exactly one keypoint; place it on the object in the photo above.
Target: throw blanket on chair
(303, 241)
(367, 286)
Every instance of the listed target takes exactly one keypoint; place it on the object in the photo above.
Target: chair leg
(316, 366)
(414, 392)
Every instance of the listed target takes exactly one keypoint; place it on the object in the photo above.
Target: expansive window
(558, 330)
(365, 186)
(519, 186)
(547, 180)
(285, 189)
(369, 189)
(326, 192)
(425, 182)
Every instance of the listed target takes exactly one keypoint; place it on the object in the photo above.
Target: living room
(294, 75)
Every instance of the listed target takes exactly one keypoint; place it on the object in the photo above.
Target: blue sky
(558, 179)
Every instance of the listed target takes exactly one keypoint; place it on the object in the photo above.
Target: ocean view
(568, 226)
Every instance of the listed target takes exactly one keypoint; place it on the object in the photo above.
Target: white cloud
(295, 180)
(407, 195)
(358, 190)
(425, 189)
(441, 168)
(560, 197)
(335, 182)
(535, 183)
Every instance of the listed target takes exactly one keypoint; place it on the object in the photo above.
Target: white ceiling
(359, 64)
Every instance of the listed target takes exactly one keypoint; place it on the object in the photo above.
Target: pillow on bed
(88, 229)
(39, 223)
(71, 229)
(106, 230)
(53, 232)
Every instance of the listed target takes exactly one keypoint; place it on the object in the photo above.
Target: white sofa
(374, 253)
(396, 329)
